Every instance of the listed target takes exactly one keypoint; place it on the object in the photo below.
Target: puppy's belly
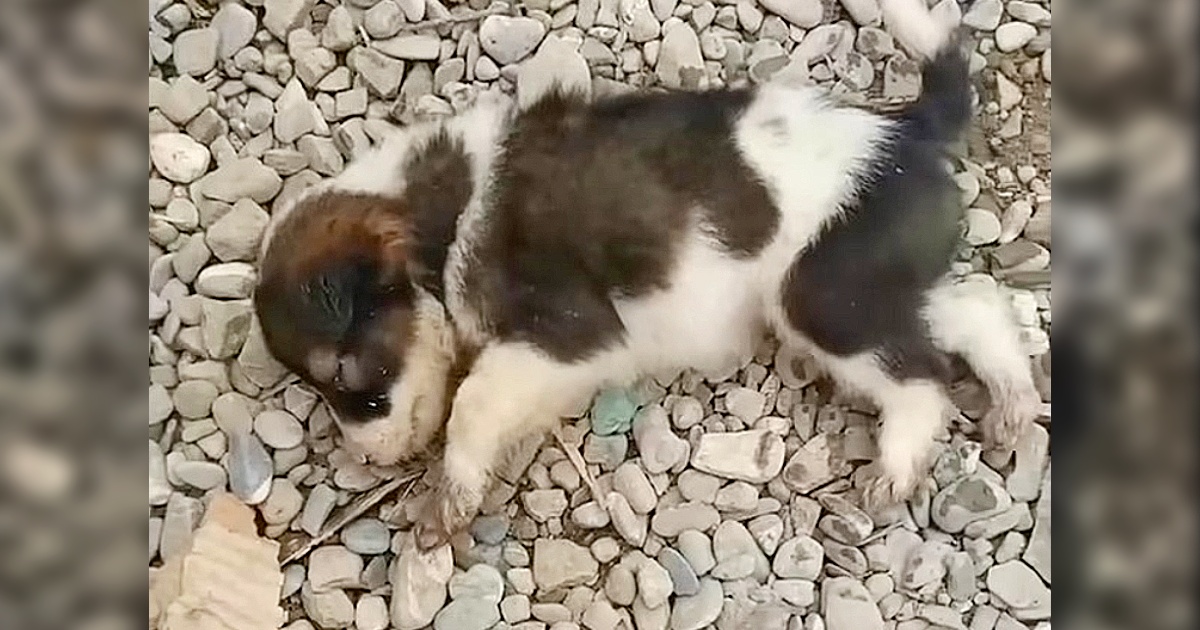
(709, 318)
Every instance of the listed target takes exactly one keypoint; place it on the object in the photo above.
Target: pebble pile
(726, 503)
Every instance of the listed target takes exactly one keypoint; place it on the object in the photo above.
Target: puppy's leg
(513, 390)
(973, 320)
(912, 412)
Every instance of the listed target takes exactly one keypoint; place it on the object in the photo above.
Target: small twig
(576, 459)
(351, 512)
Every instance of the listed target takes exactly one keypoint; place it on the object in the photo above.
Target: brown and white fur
(552, 251)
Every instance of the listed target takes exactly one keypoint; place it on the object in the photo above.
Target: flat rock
(235, 26)
(697, 611)
(558, 65)
(669, 522)
(333, 566)
(234, 280)
(810, 467)
(847, 605)
(753, 456)
(243, 177)
(178, 157)
(680, 63)
(1019, 588)
(510, 39)
(417, 47)
(195, 51)
(800, 557)
(1037, 552)
(562, 563)
(802, 13)
(419, 583)
(967, 500)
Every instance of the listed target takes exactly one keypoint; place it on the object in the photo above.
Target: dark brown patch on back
(593, 202)
(439, 186)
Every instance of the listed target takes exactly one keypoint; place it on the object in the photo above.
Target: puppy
(568, 246)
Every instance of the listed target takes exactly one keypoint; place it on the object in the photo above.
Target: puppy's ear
(334, 261)
(351, 292)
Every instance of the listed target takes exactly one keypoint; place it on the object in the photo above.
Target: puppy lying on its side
(569, 246)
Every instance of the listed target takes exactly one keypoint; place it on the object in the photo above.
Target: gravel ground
(252, 101)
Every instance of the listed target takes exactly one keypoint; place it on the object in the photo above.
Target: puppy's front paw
(448, 512)
(1009, 417)
(888, 488)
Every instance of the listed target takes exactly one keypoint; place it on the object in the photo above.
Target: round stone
(279, 429)
(178, 157)
(367, 536)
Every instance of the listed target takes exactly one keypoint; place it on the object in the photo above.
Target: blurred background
(72, 146)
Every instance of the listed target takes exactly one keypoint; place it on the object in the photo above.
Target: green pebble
(612, 412)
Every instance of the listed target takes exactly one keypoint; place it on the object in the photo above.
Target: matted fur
(550, 251)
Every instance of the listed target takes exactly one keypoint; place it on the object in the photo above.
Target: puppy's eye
(376, 404)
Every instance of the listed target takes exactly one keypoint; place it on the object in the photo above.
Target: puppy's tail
(944, 108)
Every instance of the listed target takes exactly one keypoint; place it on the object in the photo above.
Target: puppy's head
(340, 306)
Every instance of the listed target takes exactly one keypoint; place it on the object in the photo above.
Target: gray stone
(371, 613)
(620, 586)
(767, 531)
(738, 497)
(683, 577)
(809, 468)
(1019, 588)
(670, 521)
(366, 536)
(660, 449)
(590, 515)
(339, 33)
(282, 504)
(802, 13)
(796, 592)
(233, 280)
(1037, 552)
(926, 564)
(967, 500)
(984, 15)
(632, 483)
(731, 540)
(697, 486)
(1031, 456)
(235, 26)
(847, 605)
(380, 73)
(515, 608)
(200, 475)
(333, 566)
(284, 15)
(754, 456)
(983, 227)
(800, 557)
(224, 326)
(419, 583)
(328, 609)
(383, 20)
(480, 582)
(250, 468)
(160, 404)
(562, 563)
(600, 616)
(696, 547)
(901, 78)
(654, 583)
(1013, 35)
(680, 63)
(181, 518)
(178, 157)
(697, 611)
(557, 63)
(607, 451)
(194, 399)
(243, 177)
(184, 99)
(510, 39)
(195, 51)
